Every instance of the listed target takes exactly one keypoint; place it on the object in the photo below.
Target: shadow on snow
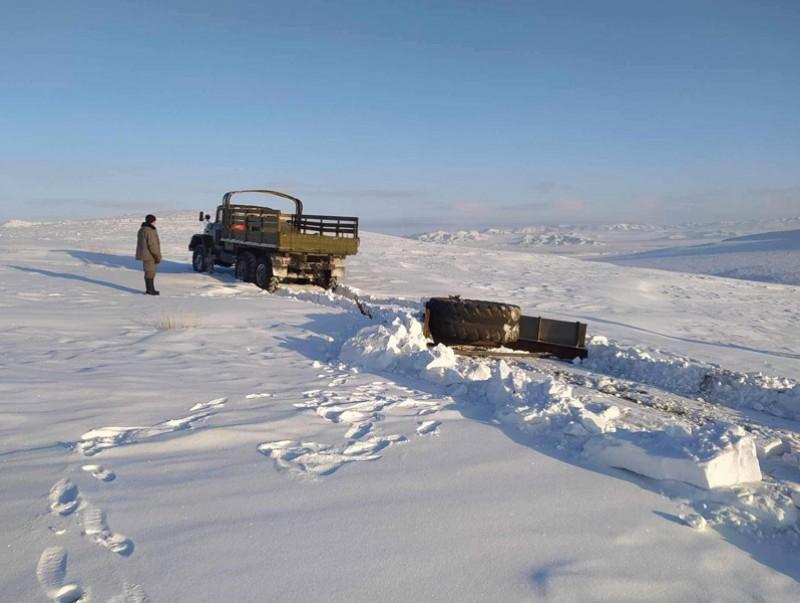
(78, 277)
(109, 260)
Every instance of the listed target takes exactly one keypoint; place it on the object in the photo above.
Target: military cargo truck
(267, 246)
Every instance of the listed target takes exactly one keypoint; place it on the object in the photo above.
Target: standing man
(148, 250)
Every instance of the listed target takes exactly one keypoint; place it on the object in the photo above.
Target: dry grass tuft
(170, 323)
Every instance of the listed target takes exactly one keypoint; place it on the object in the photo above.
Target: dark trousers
(150, 268)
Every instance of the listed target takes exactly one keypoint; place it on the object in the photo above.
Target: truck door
(217, 227)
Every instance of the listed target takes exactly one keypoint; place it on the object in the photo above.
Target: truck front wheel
(200, 259)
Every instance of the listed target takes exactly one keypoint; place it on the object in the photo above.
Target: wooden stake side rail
(338, 226)
(253, 218)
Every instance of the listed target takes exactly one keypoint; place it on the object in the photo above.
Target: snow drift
(717, 456)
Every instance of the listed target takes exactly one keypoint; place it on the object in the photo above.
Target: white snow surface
(218, 443)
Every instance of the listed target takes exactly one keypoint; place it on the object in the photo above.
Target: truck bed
(271, 228)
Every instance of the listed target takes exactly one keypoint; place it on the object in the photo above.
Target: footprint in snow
(64, 497)
(311, 459)
(96, 440)
(358, 430)
(95, 526)
(428, 428)
(256, 396)
(372, 445)
(423, 407)
(100, 472)
(51, 572)
(214, 404)
(339, 415)
(131, 593)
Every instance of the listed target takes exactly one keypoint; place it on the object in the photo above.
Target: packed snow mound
(400, 346)
(716, 455)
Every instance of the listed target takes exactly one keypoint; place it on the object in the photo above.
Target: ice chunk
(598, 422)
(481, 372)
(693, 520)
(707, 460)
(771, 447)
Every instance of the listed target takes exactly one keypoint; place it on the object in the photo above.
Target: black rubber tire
(264, 277)
(246, 267)
(472, 321)
(200, 259)
(329, 282)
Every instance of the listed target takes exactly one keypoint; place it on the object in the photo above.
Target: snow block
(694, 458)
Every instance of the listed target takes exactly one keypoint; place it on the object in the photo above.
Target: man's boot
(151, 290)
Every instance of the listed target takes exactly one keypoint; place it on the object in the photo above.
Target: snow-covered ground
(222, 444)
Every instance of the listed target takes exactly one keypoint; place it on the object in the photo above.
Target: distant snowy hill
(555, 239)
(765, 250)
(770, 256)
(524, 237)
(528, 236)
(459, 236)
(18, 224)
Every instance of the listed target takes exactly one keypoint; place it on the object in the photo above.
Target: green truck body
(268, 246)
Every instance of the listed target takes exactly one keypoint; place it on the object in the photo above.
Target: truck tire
(264, 277)
(200, 259)
(328, 281)
(471, 321)
(245, 267)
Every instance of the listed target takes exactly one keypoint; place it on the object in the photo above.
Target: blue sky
(412, 115)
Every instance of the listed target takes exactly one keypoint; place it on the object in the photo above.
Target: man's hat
(150, 218)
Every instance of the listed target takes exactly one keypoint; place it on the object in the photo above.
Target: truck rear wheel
(264, 277)
(245, 267)
(200, 259)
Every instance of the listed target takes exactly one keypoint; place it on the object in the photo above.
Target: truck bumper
(294, 265)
